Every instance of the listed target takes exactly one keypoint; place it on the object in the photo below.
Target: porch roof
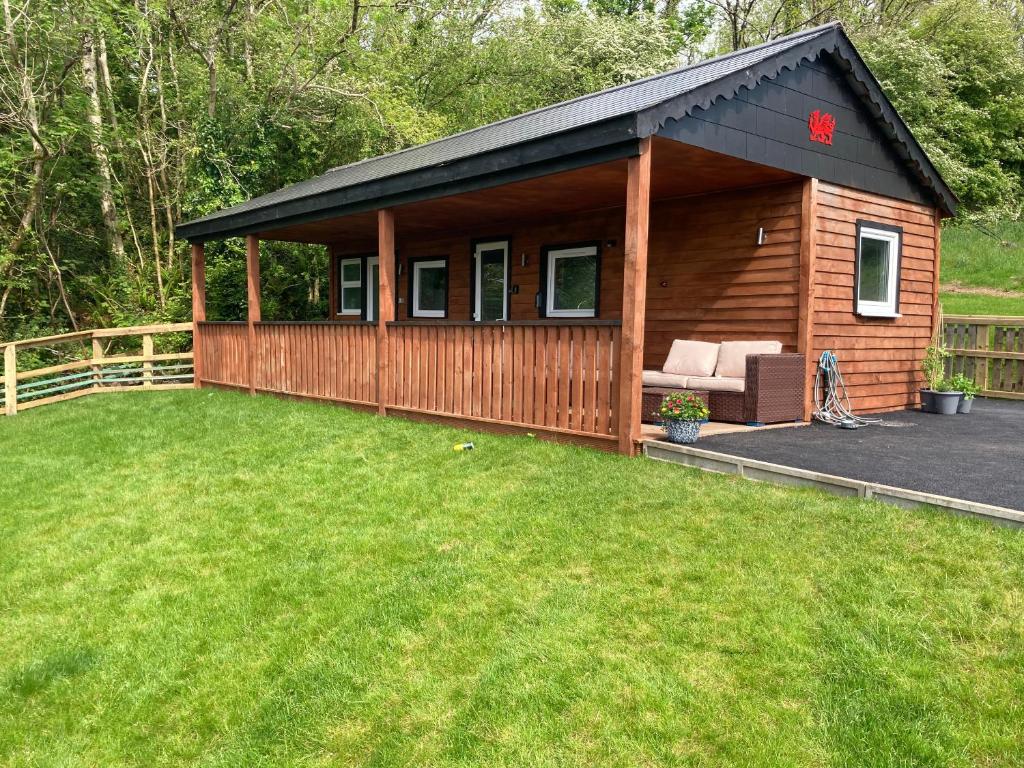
(584, 131)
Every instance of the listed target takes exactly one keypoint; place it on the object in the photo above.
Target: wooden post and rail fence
(989, 349)
(81, 363)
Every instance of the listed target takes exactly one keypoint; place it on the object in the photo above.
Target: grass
(982, 274)
(201, 578)
(981, 304)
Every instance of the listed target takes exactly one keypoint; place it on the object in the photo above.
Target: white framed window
(876, 289)
(350, 286)
(571, 286)
(429, 288)
(490, 288)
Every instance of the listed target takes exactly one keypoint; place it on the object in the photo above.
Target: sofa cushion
(732, 357)
(662, 379)
(691, 358)
(716, 383)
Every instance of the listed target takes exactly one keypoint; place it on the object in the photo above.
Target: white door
(491, 261)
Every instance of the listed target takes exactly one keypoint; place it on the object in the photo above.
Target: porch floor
(715, 428)
(977, 457)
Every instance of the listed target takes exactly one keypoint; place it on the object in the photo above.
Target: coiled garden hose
(831, 400)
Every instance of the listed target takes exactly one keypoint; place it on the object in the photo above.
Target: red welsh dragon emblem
(821, 126)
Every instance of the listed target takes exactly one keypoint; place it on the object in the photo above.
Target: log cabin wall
(605, 227)
(709, 280)
(880, 358)
(719, 284)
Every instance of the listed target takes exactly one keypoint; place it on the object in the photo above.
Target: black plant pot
(927, 400)
(946, 402)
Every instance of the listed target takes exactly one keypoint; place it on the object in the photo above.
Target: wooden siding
(327, 361)
(880, 358)
(720, 283)
(561, 377)
(709, 280)
(224, 353)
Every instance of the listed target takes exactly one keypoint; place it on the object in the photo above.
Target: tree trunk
(95, 120)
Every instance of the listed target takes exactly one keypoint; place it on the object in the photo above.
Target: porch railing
(558, 377)
(72, 365)
(990, 349)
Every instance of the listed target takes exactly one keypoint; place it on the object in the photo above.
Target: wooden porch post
(198, 308)
(385, 303)
(808, 255)
(634, 295)
(252, 270)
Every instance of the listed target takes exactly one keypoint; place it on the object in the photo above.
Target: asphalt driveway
(979, 457)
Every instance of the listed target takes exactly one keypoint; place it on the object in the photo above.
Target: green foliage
(204, 578)
(683, 406)
(933, 366)
(962, 383)
(201, 105)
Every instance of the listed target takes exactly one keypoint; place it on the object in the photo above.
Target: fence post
(97, 355)
(981, 342)
(11, 379)
(147, 364)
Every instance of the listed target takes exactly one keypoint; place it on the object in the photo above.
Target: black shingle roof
(648, 102)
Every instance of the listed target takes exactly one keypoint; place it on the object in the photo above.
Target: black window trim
(542, 294)
(507, 240)
(863, 224)
(409, 303)
(363, 276)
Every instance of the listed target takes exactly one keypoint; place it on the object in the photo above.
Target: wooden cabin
(519, 276)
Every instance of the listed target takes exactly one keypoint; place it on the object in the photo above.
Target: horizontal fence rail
(989, 349)
(92, 361)
(560, 377)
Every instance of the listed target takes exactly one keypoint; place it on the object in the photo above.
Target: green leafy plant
(934, 365)
(683, 406)
(963, 383)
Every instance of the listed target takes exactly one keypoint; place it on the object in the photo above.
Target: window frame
(550, 254)
(893, 235)
(476, 248)
(415, 265)
(340, 310)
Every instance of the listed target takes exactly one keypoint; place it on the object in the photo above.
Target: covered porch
(531, 305)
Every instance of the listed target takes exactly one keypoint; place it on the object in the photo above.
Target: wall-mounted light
(760, 236)
(523, 260)
(663, 283)
(398, 269)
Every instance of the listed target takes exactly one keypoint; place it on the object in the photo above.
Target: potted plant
(946, 398)
(683, 413)
(934, 368)
(966, 385)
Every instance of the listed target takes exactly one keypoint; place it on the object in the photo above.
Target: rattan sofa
(771, 389)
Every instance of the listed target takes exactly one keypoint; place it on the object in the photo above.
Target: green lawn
(202, 578)
(972, 260)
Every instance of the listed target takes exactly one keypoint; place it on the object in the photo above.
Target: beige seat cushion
(716, 383)
(691, 358)
(662, 379)
(732, 357)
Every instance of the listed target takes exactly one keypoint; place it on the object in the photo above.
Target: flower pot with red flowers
(683, 413)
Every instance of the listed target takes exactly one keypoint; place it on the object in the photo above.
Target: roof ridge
(806, 33)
